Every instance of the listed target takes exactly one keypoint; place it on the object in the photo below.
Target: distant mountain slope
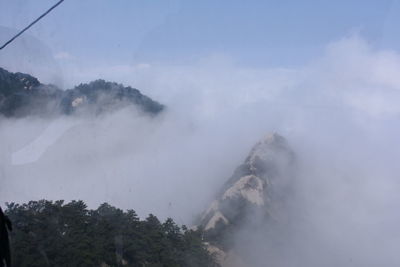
(22, 95)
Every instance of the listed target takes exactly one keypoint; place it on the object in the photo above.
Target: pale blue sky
(255, 33)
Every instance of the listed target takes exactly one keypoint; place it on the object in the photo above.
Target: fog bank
(340, 113)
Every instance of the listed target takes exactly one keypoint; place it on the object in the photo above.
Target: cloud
(339, 112)
(350, 74)
(63, 56)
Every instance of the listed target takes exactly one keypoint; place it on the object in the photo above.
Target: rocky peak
(254, 194)
(265, 149)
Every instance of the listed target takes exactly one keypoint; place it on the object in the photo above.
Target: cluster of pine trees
(50, 233)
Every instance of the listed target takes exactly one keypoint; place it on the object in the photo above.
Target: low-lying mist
(340, 113)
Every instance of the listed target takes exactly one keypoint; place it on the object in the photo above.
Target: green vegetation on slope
(23, 95)
(50, 233)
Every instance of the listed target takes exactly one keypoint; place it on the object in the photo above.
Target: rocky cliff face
(253, 197)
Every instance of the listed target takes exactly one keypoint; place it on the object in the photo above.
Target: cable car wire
(30, 25)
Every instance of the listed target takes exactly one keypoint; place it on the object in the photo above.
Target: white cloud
(63, 56)
(340, 113)
(351, 74)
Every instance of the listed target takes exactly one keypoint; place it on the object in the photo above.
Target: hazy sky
(253, 33)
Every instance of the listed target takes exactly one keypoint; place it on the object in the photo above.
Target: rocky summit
(253, 197)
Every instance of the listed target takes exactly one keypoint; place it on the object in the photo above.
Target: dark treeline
(50, 233)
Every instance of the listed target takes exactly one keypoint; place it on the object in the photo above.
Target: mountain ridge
(22, 95)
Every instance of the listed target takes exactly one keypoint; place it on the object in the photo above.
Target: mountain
(22, 94)
(254, 197)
